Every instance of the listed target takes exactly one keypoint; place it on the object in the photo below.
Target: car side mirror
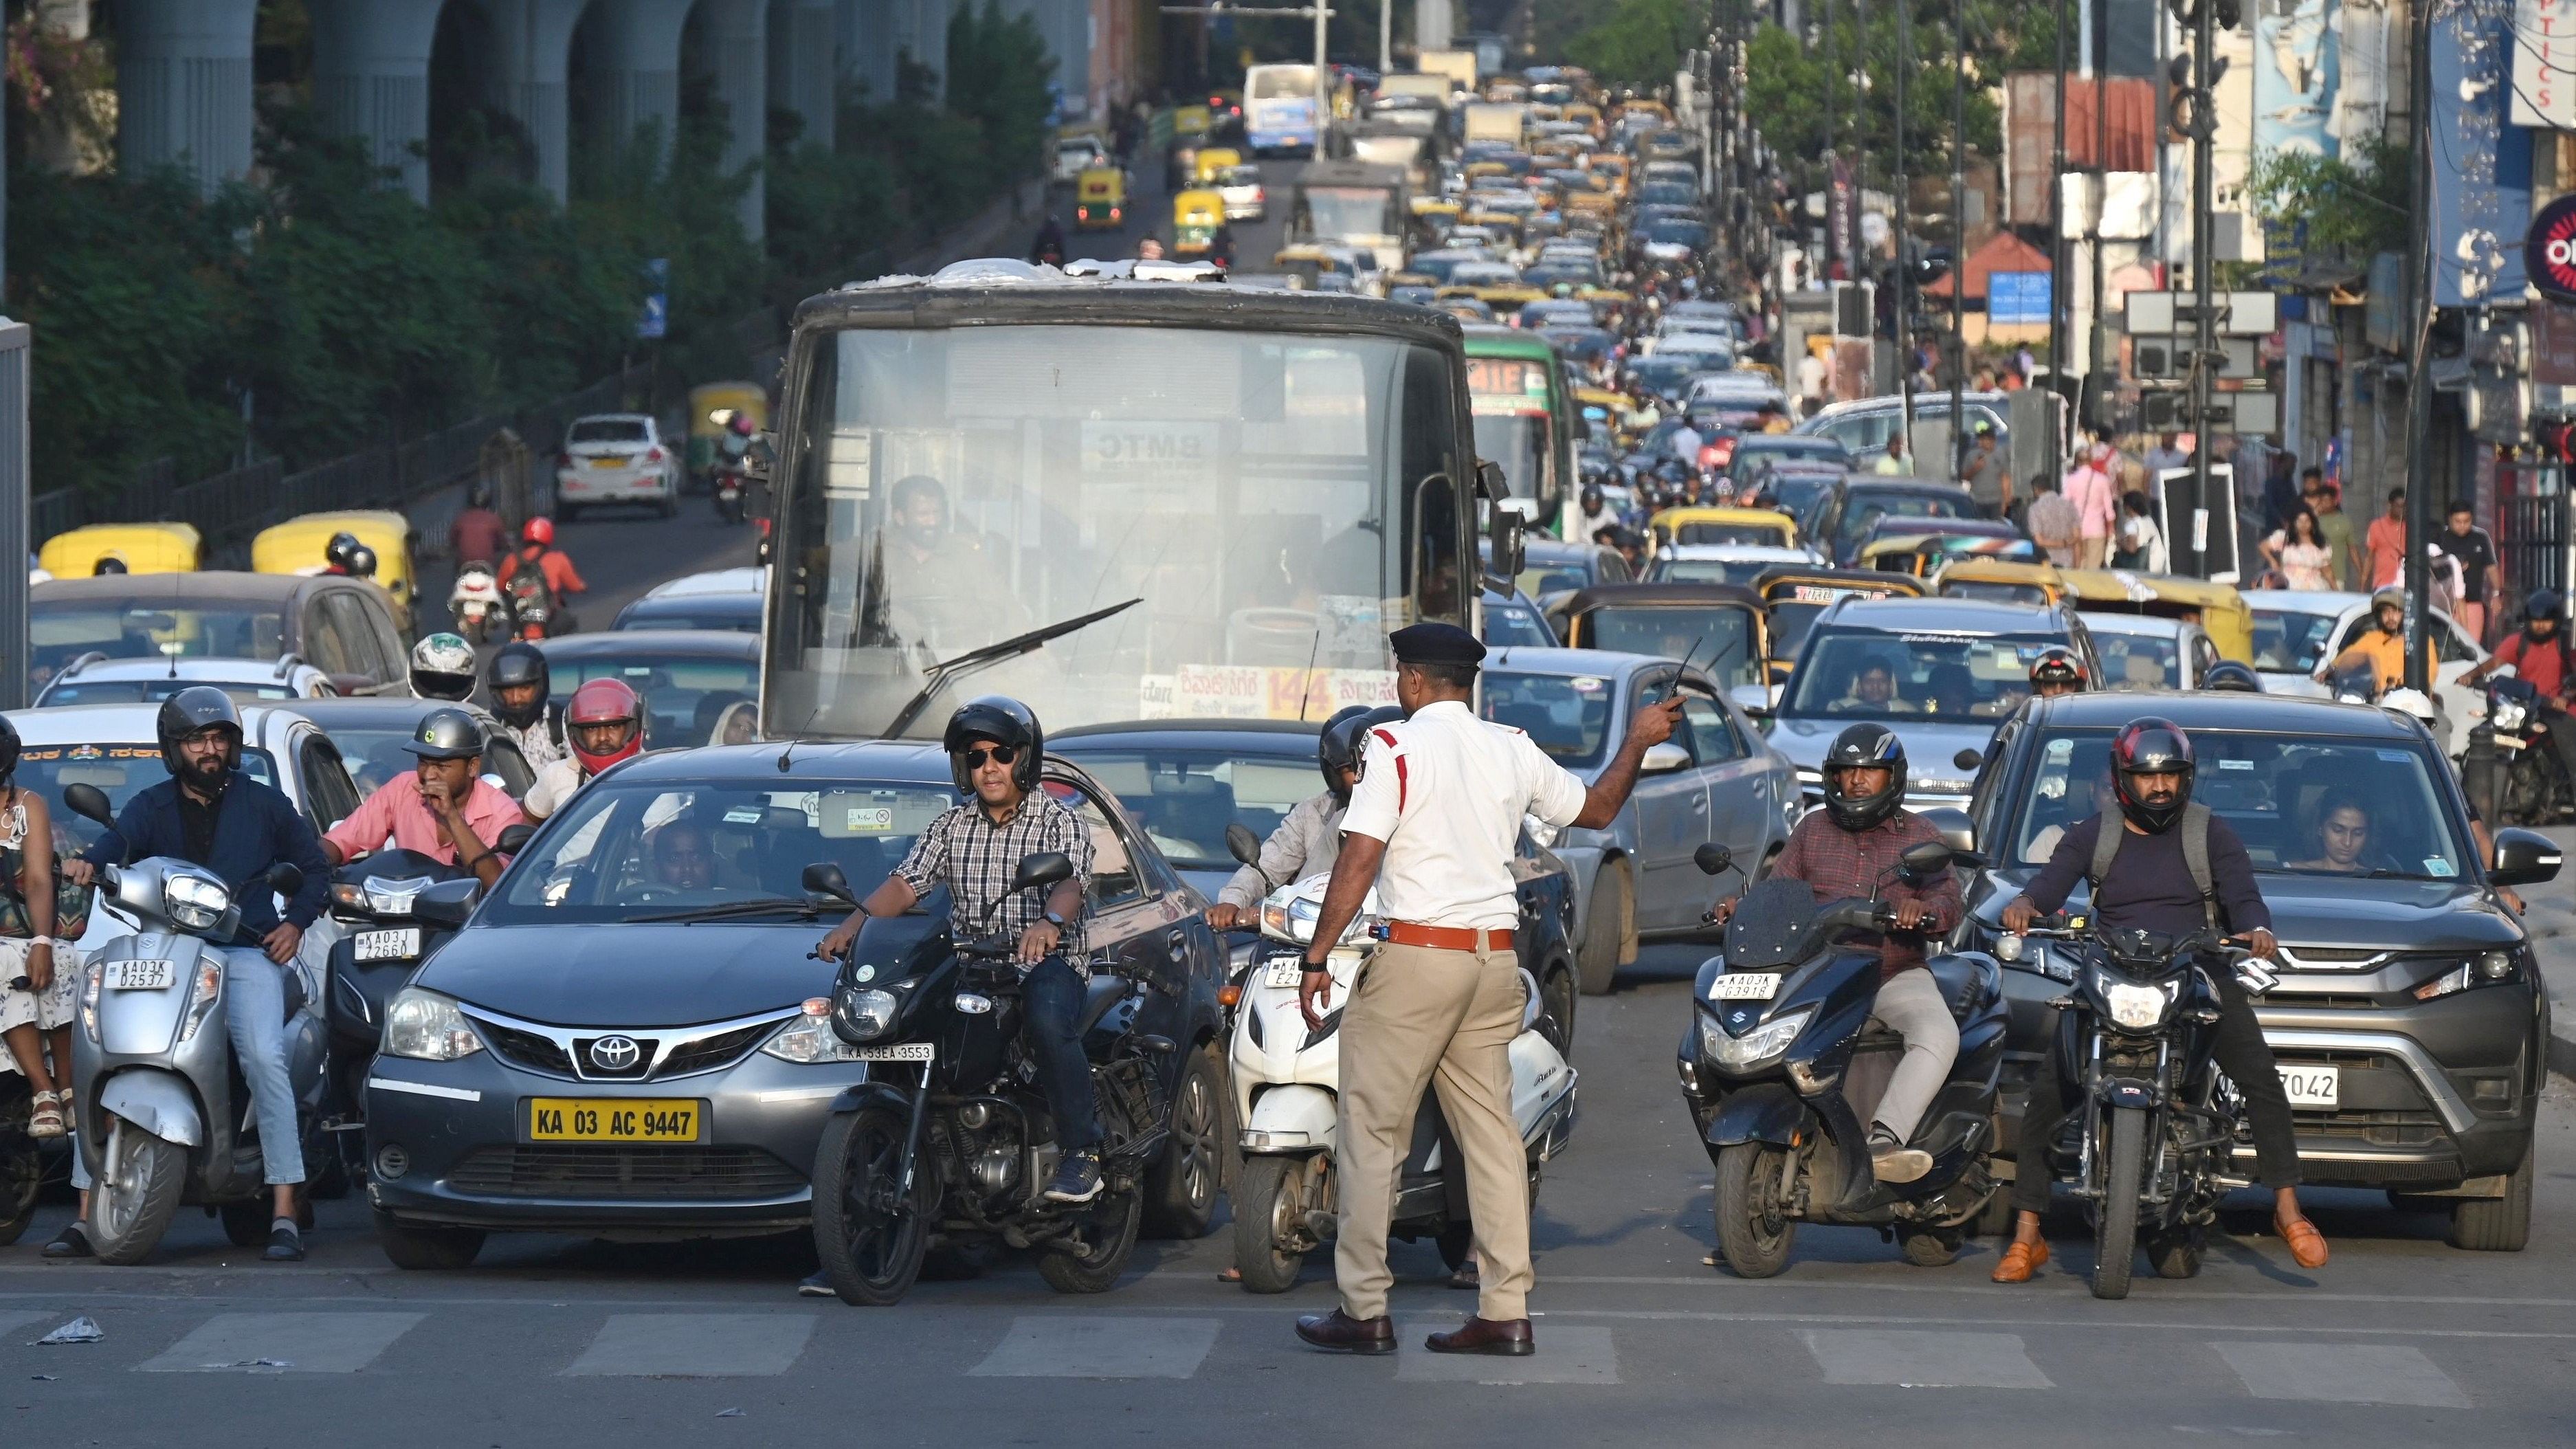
(824, 878)
(514, 838)
(1958, 832)
(1509, 532)
(1925, 859)
(1753, 699)
(446, 904)
(1663, 759)
(90, 803)
(2523, 857)
(1052, 868)
(284, 878)
(1243, 845)
(1968, 759)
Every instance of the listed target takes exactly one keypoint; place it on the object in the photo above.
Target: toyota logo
(615, 1053)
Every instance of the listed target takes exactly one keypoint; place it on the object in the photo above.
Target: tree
(1640, 42)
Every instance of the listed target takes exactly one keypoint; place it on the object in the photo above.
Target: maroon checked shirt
(1835, 863)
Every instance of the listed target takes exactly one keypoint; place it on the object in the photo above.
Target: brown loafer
(1341, 1333)
(2307, 1245)
(1508, 1337)
(2020, 1261)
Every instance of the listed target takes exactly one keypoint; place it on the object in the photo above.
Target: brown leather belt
(1448, 938)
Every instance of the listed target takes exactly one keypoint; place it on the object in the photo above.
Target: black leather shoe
(1510, 1338)
(285, 1245)
(70, 1243)
(1342, 1333)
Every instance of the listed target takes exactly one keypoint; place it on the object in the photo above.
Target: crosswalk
(2272, 1365)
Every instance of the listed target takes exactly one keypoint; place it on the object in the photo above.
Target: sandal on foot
(47, 1118)
(1464, 1276)
(2020, 1261)
(2307, 1245)
(1230, 1275)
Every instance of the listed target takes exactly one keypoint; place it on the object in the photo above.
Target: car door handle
(1700, 803)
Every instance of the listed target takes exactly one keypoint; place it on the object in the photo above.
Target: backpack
(2195, 858)
(526, 582)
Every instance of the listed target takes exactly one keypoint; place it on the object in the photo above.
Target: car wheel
(2497, 1224)
(1605, 929)
(1556, 998)
(414, 1248)
(1181, 1192)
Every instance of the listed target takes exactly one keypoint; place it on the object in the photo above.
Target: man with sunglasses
(994, 744)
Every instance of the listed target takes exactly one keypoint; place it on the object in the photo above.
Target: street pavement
(2401, 1340)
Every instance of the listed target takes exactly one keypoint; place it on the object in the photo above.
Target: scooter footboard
(1292, 1117)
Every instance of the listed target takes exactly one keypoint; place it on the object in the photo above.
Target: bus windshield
(1345, 213)
(1246, 513)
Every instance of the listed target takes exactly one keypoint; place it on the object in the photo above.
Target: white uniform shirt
(555, 784)
(1446, 791)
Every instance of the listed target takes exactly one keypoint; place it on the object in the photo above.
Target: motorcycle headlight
(2136, 1008)
(193, 900)
(427, 1027)
(809, 1037)
(2508, 714)
(1755, 1047)
(867, 1015)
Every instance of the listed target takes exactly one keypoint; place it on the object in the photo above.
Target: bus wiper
(937, 676)
(766, 906)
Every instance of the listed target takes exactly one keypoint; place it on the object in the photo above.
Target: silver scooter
(163, 1117)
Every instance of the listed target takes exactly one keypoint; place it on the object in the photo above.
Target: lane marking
(319, 1343)
(694, 1345)
(11, 1322)
(1924, 1360)
(2345, 1373)
(1565, 1355)
(1063, 1346)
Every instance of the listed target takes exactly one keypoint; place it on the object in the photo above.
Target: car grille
(536, 1053)
(559, 1052)
(708, 1053)
(2379, 1129)
(554, 1170)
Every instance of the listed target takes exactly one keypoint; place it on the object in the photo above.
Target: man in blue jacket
(210, 814)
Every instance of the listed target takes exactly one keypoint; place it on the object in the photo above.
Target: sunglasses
(999, 754)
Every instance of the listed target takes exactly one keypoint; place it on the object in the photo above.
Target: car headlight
(193, 900)
(1742, 1053)
(868, 1014)
(2485, 970)
(809, 1037)
(2137, 1008)
(427, 1027)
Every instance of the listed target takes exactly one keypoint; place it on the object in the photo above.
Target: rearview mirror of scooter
(1243, 845)
(90, 803)
(1929, 858)
(1051, 868)
(284, 878)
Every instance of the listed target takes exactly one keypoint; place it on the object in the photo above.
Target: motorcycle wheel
(1184, 1181)
(1931, 1247)
(1752, 1235)
(2115, 1239)
(137, 1193)
(2176, 1254)
(1112, 1233)
(869, 1237)
(417, 1249)
(1269, 1210)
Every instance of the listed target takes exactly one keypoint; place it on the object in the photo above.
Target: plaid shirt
(976, 859)
(1835, 863)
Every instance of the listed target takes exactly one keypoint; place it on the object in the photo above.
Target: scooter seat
(1967, 983)
(1099, 998)
(292, 988)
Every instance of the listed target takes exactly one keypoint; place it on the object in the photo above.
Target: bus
(1525, 419)
(1355, 204)
(1279, 109)
(1112, 499)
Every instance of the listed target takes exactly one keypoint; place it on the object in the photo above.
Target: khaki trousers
(1440, 1019)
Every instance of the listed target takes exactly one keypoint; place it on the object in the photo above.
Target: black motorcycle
(2531, 786)
(1782, 1076)
(382, 946)
(2156, 1123)
(951, 1136)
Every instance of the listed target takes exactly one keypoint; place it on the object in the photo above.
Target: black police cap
(1436, 643)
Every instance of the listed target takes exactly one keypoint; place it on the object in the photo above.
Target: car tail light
(652, 455)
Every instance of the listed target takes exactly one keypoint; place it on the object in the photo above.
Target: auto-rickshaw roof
(1855, 580)
(1659, 596)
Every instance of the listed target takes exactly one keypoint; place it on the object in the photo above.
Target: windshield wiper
(937, 676)
(767, 906)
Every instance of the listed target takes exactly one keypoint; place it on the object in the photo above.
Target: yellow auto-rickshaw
(297, 546)
(1212, 164)
(144, 548)
(1099, 199)
(1792, 597)
(1190, 122)
(2221, 612)
(1196, 215)
(708, 400)
(2001, 581)
(1760, 527)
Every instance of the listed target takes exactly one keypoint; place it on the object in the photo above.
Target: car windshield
(1513, 625)
(1714, 637)
(2387, 801)
(1711, 531)
(607, 430)
(1185, 797)
(1866, 507)
(2287, 640)
(684, 697)
(693, 614)
(1712, 570)
(2139, 661)
(1568, 716)
(122, 770)
(622, 851)
(1879, 674)
(60, 632)
(1344, 211)
(1677, 233)
(2001, 593)
(153, 691)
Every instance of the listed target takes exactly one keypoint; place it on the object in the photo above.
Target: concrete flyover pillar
(803, 67)
(635, 60)
(183, 87)
(865, 46)
(737, 39)
(534, 39)
(371, 78)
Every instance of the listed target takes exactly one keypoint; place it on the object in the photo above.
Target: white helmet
(442, 667)
(2414, 704)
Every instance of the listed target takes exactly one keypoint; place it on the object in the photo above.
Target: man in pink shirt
(2096, 499)
(444, 809)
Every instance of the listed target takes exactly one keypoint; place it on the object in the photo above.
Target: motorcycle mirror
(1931, 857)
(1712, 858)
(1243, 844)
(284, 878)
(1968, 759)
(825, 878)
(90, 803)
(446, 904)
(1051, 868)
(514, 838)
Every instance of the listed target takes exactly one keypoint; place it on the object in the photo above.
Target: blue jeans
(255, 1014)
(1052, 995)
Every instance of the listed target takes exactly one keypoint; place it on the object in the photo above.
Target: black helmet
(2151, 746)
(1592, 497)
(478, 494)
(362, 561)
(2057, 664)
(8, 749)
(2232, 674)
(1345, 739)
(517, 663)
(107, 564)
(338, 551)
(191, 711)
(1004, 721)
(447, 734)
(1864, 746)
(2544, 604)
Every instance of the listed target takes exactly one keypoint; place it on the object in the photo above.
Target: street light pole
(1385, 39)
(2419, 354)
(2204, 150)
(2057, 255)
(1958, 235)
(1323, 80)
(1904, 272)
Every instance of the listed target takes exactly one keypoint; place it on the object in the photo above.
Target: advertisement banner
(2295, 75)
(2481, 166)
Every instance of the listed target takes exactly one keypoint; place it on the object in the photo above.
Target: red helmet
(538, 530)
(600, 702)
(2151, 746)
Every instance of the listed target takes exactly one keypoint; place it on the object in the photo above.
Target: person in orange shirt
(537, 550)
(2387, 543)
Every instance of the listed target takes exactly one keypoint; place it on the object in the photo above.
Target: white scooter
(1287, 1085)
(477, 603)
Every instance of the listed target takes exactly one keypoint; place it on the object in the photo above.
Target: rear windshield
(2285, 641)
(153, 691)
(2139, 661)
(1185, 798)
(607, 430)
(684, 698)
(1953, 678)
(1566, 716)
(123, 771)
(61, 632)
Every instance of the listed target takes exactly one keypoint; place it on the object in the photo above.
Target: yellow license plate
(616, 1119)
(614, 460)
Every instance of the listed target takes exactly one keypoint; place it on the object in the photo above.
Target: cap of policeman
(1436, 643)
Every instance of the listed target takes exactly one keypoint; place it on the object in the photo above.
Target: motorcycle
(1287, 1095)
(535, 612)
(1782, 1076)
(383, 946)
(478, 603)
(163, 1117)
(2534, 788)
(951, 1136)
(2156, 1122)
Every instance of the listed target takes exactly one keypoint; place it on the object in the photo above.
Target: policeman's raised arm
(1649, 727)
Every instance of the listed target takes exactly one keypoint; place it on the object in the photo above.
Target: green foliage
(1801, 92)
(1639, 42)
(2350, 206)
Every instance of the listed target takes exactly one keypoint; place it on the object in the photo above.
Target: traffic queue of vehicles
(1213, 502)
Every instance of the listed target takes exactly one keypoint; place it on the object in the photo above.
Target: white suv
(616, 458)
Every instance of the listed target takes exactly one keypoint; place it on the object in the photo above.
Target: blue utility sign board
(2017, 297)
(655, 320)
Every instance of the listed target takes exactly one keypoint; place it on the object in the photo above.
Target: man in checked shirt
(1848, 849)
(993, 747)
